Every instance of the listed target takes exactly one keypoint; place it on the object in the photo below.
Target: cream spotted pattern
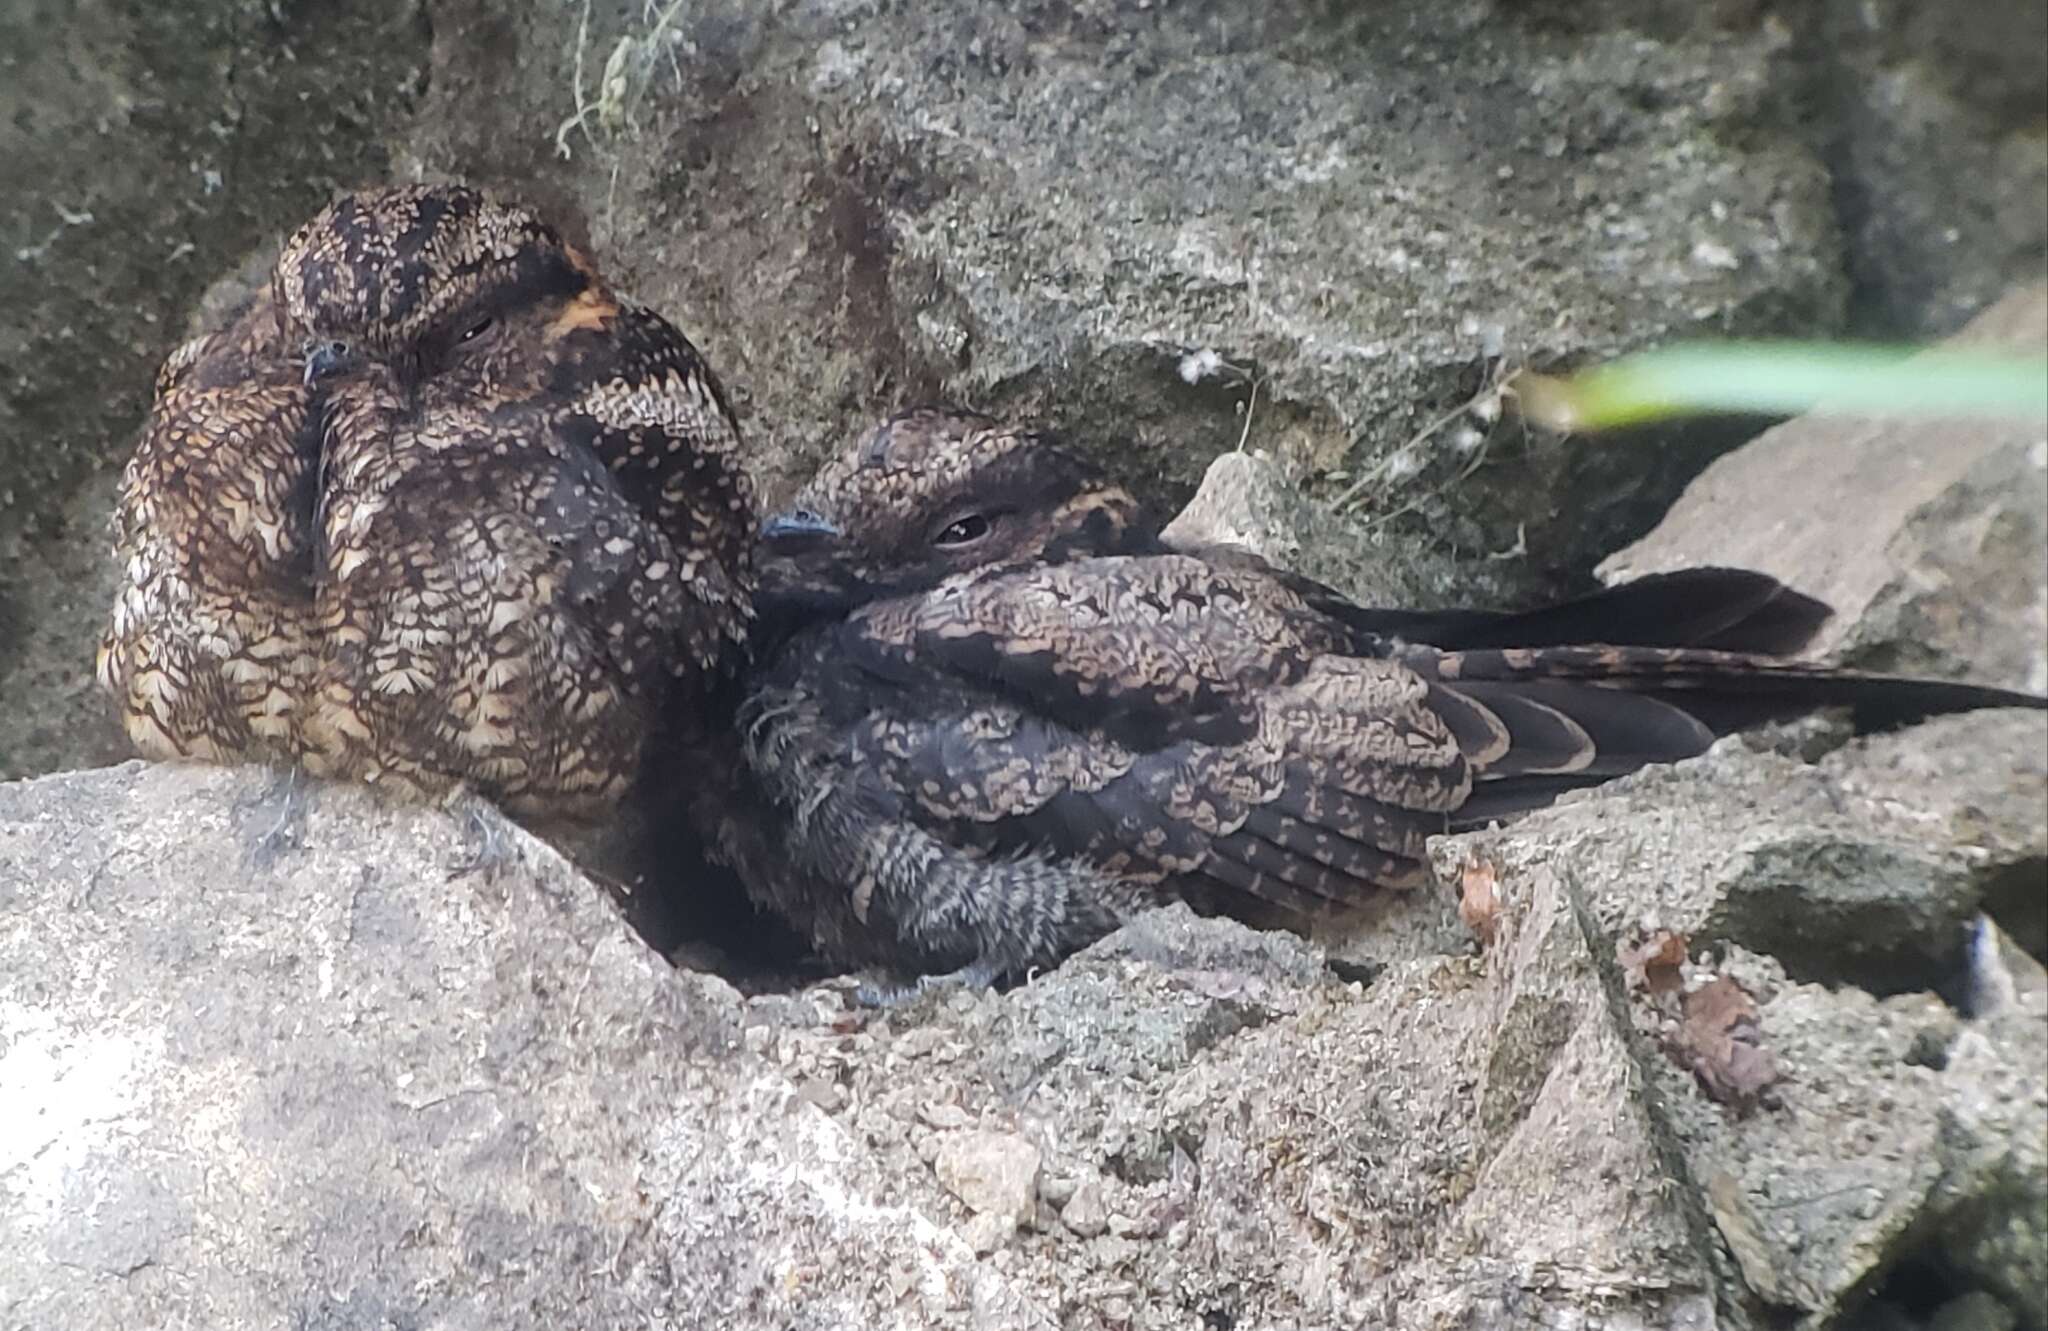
(437, 510)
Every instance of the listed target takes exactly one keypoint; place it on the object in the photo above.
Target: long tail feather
(1623, 708)
(1723, 609)
(1727, 691)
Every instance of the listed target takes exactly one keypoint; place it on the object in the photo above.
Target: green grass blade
(1789, 378)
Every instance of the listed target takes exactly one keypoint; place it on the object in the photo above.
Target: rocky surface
(1926, 538)
(1929, 119)
(1058, 209)
(1167, 227)
(1847, 898)
(350, 1083)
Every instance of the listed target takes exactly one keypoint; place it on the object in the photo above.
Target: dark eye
(482, 326)
(963, 531)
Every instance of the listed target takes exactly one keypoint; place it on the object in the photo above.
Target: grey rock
(1842, 897)
(1980, 782)
(1975, 1311)
(355, 1089)
(351, 1086)
(1086, 1213)
(1056, 1190)
(1994, 1183)
(1930, 125)
(1867, 869)
(1456, 1141)
(1047, 211)
(114, 1219)
(1244, 500)
(992, 1173)
(1939, 560)
(985, 1231)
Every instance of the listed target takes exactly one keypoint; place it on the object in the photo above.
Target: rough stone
(1975, 1311)
(355, 1088)
(1868, 868)
(1086, 1213)
(333, 1089)
(1844, 898)
(1273, 1147)
(348, 1084)
(1929, 118)
(1937, 564)
(992, 1173)
(1244, 500)
(1122, 223)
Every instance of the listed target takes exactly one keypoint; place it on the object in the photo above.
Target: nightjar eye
(481, 327)
(963, 531)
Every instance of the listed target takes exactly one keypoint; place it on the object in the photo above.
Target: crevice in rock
(1913, 1288)
(689, 911)
(1919, 1289)
(1664, 1134)
(1839, 912)
(2016, 897)
(1881, 83)
(1356, 971)
(714, 928)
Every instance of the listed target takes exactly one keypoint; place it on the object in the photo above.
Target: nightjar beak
(803, 569)
(797, 524)
(324, 359)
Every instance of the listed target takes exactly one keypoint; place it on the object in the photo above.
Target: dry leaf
(1479, 898)
(1654, 963)
(1721, 1040)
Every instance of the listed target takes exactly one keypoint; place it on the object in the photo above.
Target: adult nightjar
(438, 508)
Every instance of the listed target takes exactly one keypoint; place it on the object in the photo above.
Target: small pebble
(993, 1173)
(1086, 1213)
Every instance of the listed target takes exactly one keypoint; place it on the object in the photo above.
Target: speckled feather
(503, 514)
(1070, 732)
(207, 653)
(1003, 667)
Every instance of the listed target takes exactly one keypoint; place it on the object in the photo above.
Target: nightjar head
(934, 492)
(425, 280)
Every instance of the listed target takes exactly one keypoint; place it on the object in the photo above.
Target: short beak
(795, 523)
(324, 359)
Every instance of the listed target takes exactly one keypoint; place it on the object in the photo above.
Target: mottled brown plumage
(1015, 715)
(208, 654)
(439, 509)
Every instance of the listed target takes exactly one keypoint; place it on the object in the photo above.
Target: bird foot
(490, 848)
(277, 817)
(976, 975)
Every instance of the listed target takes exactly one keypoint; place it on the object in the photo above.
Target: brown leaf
(1479, 898)
(1654, 963)
(1721, 1040)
